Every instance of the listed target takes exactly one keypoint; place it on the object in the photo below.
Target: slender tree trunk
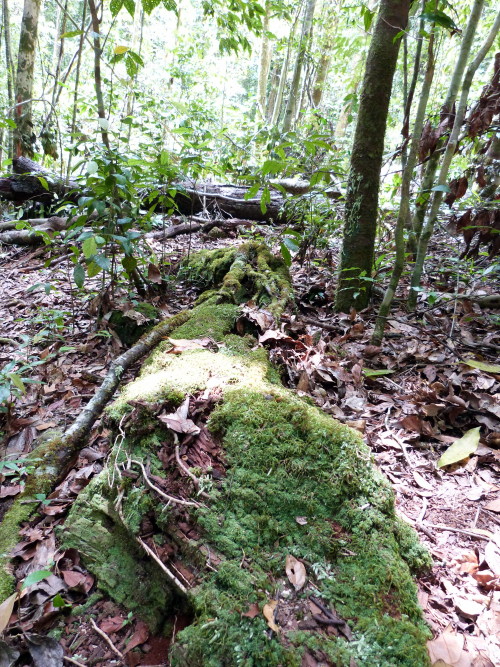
(264, 62)
(404, 207)
(271, 98)
(137, 46)
(305, 39)
(354, 286)
(74, 110)
(9, 64)
(451, 147)
(343, 120)
(410, 92)
(23, 136)
(331, 13)
(101, 111)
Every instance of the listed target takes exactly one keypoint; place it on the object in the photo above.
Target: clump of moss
(285, 459)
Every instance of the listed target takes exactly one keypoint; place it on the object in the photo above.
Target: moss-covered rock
(285, 460)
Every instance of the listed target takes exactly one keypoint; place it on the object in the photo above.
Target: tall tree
(9, 66)
(305, 40)
(451, 147)
(23, 137)
(354, 286)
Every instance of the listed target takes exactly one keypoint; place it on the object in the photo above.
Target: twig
(165, 496)
(188, 472)
(457, 530)
(162, 565)
(106, 639)
(73, 661)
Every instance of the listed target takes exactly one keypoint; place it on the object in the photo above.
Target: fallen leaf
(154, 275)
(112, 624)
(447, 647)
(252, 611)
(184, 344)
(480, 365)
(6, 611)
(296, 572)
(140, 635)
(301, 520)
(461, 448)
(421, 481)
(493, 506)
(492, 557)
(268, 611)
(468, 608)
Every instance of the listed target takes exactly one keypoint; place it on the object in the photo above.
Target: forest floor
(411, 398)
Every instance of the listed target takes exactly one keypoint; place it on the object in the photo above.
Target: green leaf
(440, 188)
(92, 167)
(118, 50)
(79, 275)
(93, 269)
(370, 372)
(271, 167)
(461, 448)
(71, 33)
(290, 244)
(34, 577)
(487, 368)
(17, 382)
(129, 264)
(44, 183)
(130, 7)
(89, 247)
(115, 6)
(58, 601)
(285, 253)
(103, 262)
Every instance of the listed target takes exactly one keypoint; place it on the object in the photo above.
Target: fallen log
(55, 224)
(232, 500)
(31, 183)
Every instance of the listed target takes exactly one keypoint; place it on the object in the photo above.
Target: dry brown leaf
(296, 572)
(112, 624)
(154, 275)
(493, 506)
(6, 611)
(468, 607)
(421, 481)
(268, 611)
(252, 611)
(487, 579)
(447, 648)
(492, 557)
(140, 635)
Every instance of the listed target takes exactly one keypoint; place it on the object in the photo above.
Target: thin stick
(165, 496)
(457, 530)
(73, 661)
(165, 569)
(188, 472)
(106, 639)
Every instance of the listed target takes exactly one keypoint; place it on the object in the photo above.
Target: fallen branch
(58, 452)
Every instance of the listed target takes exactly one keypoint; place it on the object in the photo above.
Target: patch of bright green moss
(285, 459)
(109, 550)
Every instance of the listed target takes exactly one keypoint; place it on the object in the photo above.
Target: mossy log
(199, 519)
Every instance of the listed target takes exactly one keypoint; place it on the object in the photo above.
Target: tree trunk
(264, 62)
(404, 215)
(354, 286)
(451, 147)
(305, 40)
(9, 68)
(24, 134)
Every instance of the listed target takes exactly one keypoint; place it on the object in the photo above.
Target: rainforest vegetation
(250, 256)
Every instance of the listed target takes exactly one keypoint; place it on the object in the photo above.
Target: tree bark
(24, 135)
(404, 215)
(354, 286)
(305, 40)
(264, 62)
(9, 67)
(452, 144)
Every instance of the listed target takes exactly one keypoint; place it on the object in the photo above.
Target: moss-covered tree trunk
(220, 479)
(354, 286)
(23, 137)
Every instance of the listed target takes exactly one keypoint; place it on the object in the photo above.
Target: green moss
(284, 459)
(127, 328)
(81, 609)
(123, 570)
